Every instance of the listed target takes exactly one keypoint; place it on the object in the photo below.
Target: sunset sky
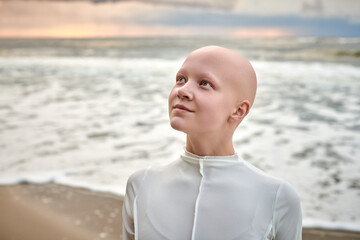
(146, 18)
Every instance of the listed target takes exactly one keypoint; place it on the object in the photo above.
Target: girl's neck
(210, 146)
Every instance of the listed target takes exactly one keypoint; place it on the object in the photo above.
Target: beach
(87, 113)
(53, 211)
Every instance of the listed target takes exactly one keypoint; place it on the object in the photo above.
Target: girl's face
(202, 98)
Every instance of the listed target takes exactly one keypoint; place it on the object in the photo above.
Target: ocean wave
(90, 122)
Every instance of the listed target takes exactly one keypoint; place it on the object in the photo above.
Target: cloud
(175, 17)
(207, 4)
(345, 9)
(96, 30)
(84, 19)
(203, 4)
(24, 14)
(315, 7)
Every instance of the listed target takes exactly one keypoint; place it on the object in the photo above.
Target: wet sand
(56, 212)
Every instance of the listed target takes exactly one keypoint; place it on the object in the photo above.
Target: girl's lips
(182, 107)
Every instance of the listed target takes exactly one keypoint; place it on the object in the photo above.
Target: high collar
(211, 160)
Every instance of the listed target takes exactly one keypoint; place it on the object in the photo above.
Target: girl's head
(214, 90)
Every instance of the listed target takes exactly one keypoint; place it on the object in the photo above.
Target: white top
(211, 197)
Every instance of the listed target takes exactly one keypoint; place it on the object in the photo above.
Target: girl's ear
(241, 111)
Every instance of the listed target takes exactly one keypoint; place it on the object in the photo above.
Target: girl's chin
(178, 126)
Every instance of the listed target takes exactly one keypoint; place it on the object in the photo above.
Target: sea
(89, 112)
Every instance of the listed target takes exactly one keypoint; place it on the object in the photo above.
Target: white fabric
(207, 198)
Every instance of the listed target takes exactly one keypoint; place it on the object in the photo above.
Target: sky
(151, 18)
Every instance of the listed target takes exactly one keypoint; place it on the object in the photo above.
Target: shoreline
(53, 211)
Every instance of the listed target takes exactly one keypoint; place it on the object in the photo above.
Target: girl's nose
(185, 92)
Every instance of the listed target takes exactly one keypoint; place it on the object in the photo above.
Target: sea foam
(91, 121)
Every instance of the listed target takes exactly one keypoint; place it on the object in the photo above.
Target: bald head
(213, 92)
(235, 68)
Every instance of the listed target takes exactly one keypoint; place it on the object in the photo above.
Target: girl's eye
(205, 83)
(181, 79)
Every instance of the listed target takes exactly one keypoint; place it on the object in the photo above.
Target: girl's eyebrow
(206, 75)
(209, 76)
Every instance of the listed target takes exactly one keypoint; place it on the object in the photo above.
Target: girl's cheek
(172, 94)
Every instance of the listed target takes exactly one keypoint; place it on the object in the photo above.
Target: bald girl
(210, 192)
